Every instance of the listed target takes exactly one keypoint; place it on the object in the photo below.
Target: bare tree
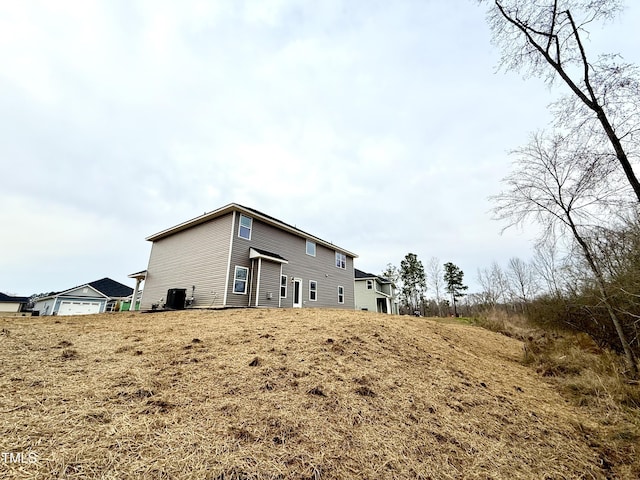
(494, 284)
(546, 38)
(547, 264)
(618, 253)
(435, 280)
(564, 186)
(523, 284)
(392, 274)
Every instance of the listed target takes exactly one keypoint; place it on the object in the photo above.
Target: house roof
(105, 286)
(9, 299)
(249, 211)
(265, 254)
(360, 275)
(111, 288)
(138, 275)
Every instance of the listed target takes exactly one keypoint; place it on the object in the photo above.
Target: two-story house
(374, 293)
(239, 257)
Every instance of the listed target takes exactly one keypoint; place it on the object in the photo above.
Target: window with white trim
(341, 260)
(240, 280)
(283, 286)
(311, 248)
(246, 224)
(340, 294)
(313, 290)
(369, 284)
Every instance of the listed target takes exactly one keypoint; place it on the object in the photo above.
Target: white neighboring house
(94, 297)
(12, 304)
(374, 293)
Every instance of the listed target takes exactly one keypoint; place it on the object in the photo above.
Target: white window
(369, 284)
(340, 294)
(341, 260)
(283, 286)
(245, 227)
(313, 290)
(240, 280)
(311, 248)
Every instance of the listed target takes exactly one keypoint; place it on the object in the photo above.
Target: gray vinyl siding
(240, 258)
(269, 283)
(320, 268)
(194, 257)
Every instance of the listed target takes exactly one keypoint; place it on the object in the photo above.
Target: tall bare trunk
(629, 356)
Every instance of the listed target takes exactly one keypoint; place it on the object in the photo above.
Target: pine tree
(414, 283)
(453, 280)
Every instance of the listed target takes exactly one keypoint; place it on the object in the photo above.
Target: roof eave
(191, 223)
(253, 253)
(234, 206)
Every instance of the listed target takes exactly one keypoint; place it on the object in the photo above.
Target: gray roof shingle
(111, 288)
(359, 274)
(8, 298)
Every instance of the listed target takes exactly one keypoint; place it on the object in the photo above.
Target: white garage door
(78, 308)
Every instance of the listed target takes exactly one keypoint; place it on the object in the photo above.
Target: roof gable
(80, 291)
(105, 287)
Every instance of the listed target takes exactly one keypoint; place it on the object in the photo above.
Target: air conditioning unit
(176, 298)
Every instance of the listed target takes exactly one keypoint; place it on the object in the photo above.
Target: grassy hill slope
(257, 394)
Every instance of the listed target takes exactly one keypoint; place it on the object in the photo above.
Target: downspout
(250, 280)
(258, 280)
(280, 289)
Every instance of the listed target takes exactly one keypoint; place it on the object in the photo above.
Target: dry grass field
(286, 394)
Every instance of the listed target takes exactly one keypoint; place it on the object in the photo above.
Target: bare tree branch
(544, 37)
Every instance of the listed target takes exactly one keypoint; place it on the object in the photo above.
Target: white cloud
(379, 126)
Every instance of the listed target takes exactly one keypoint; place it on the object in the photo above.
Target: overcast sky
(381, 126)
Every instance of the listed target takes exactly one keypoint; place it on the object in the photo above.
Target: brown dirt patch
(255, 394)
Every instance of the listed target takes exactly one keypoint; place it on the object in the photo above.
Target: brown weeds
(591, 378)
(284, 394)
